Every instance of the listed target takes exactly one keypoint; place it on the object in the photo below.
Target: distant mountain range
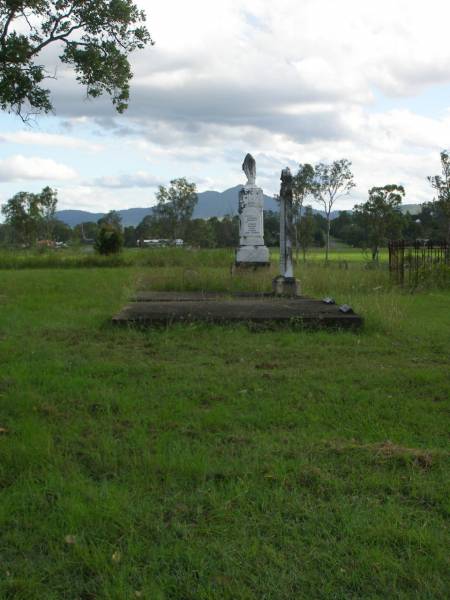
(130, 216)
(210, 204)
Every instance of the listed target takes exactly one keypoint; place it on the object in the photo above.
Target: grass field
(203, 462)
(154, 257)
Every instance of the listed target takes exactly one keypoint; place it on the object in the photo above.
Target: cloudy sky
(289, 81)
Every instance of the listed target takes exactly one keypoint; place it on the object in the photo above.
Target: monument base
(286, 286)
(252, 256)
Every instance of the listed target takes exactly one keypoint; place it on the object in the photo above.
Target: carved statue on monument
(249, 168)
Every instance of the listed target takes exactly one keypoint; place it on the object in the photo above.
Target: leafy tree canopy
(95, 38)
(112, 218)
(307, 230)
(30, 215)
(331, 181)
(380, 215)
(302, 185)
(109, 240)
(441, 184)
(176, 205)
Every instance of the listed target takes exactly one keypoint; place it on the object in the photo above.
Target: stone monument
(286, 284)
(251, 252)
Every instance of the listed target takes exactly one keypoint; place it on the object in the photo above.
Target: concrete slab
(197, 296)
(171, 307)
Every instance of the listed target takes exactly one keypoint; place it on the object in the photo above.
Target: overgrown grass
(204, 462)
(150, 257)
(87, 258)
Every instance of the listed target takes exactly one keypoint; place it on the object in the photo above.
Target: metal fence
(412, 263)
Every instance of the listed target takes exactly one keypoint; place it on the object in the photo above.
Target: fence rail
(414, 262)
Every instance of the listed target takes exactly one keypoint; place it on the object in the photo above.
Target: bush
(109, 240)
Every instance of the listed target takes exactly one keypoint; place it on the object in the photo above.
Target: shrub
(109, 240)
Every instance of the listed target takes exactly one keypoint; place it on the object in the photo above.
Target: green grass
(204, 462)
(85, 257)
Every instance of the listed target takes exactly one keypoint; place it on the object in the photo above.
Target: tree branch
(6, 26)
(54, 38)
(116, 39)
(61, 18)
(25, 16)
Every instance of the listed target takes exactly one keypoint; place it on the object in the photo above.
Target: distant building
(159, 243)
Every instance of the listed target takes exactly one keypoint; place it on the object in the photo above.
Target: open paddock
(215, 462)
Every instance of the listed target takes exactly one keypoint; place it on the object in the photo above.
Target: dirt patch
(423, 458)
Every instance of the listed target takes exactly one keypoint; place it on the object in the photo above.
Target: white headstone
(252, 250)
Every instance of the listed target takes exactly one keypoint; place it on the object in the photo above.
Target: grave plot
(284, 305)
(162, 308)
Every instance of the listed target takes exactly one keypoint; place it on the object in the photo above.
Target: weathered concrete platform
(162, 308)
(194, 296)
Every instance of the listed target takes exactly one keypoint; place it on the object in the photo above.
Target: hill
(210, 204)
(219, 204)
(75, 217)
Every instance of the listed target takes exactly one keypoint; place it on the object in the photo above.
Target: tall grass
(316, 279)
(370, 292)
(200, 462)
(151, 257)
(76, 257)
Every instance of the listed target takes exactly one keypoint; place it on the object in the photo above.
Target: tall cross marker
(286, 284)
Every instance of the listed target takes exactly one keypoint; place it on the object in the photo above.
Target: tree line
(372, 223)
(31, 217)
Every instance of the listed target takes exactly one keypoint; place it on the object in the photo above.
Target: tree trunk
(297, 225)
(327, 248)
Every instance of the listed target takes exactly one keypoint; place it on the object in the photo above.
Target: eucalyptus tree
(175, 206)
(306, 230)
(441, 184)
(380, 216)
(29, 215)
(95, 37)
(331, 182)
(302, 188)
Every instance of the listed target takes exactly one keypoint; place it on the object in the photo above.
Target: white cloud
(234, 60)
(289, 81)
(37, 138)
(19, 168)
(140, 179)
(97, 199)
